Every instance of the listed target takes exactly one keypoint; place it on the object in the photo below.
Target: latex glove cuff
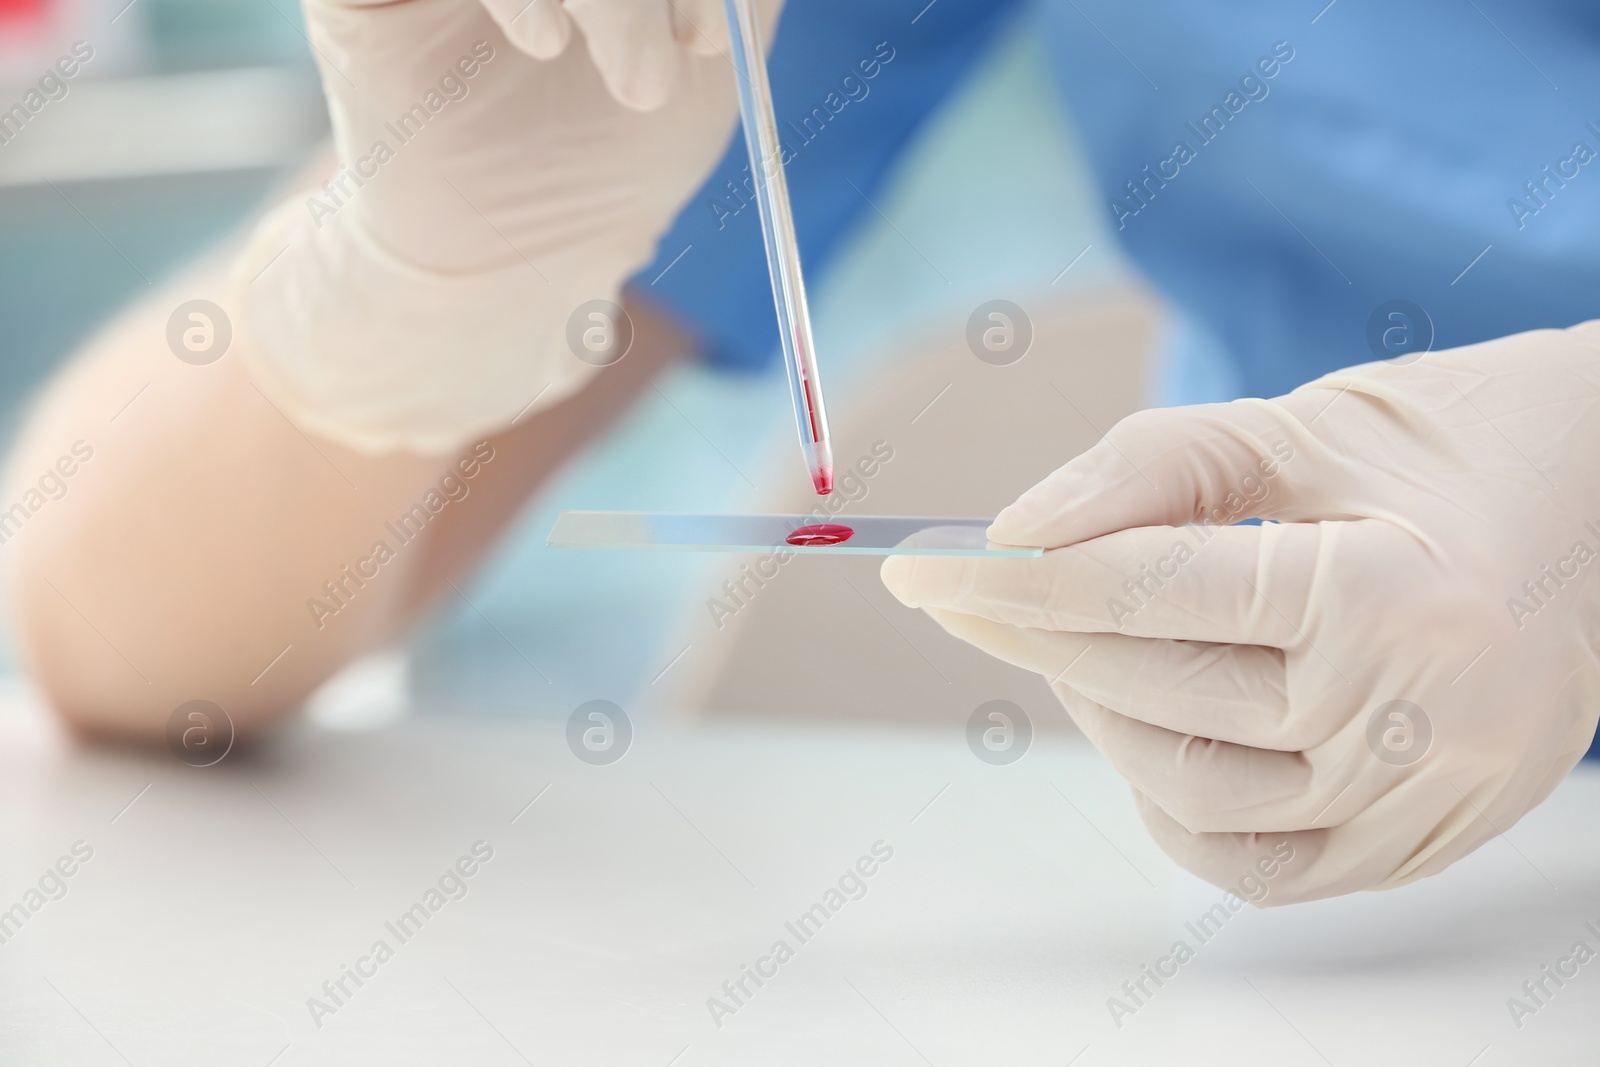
(378, 355)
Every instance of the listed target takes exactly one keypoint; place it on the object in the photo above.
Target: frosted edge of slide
(876, 535)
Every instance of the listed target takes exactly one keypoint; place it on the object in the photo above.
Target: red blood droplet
(823, 533)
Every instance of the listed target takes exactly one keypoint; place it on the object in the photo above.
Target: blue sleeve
(1286, 179)
(851, 84)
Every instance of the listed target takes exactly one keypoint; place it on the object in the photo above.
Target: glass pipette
(777, 232)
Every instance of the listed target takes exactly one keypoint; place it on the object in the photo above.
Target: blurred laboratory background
(1024, 898)
(192, 112)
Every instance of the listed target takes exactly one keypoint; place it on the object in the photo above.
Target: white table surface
(1014, 906)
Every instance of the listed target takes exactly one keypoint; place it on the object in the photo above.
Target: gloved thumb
(1211, 463)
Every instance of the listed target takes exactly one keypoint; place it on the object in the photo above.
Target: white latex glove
(635, 44)
(423, 298)
(1437, 528)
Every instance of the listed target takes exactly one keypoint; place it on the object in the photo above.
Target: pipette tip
(822, 479)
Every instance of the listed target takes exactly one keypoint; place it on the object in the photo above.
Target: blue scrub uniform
(1284, 174)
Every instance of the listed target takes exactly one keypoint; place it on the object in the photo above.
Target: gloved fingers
(1400, 836)
(538, 27)
(1245, 585)
(1205, 785)
(701, 26)
(633, 46)
(543, 29)
(1216, 463)
(1255, 866)
(1235, 693)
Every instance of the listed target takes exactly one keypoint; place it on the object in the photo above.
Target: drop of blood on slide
(823, 533)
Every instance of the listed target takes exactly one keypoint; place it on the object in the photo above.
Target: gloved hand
(635, 44)
(1436, 526)
(423, 297)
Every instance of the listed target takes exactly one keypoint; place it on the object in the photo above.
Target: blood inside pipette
(805, 387)
(820, 534)
(822, 477)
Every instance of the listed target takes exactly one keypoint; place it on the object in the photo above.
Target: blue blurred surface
(1376, 163)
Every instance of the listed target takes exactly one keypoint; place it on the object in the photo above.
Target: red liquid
(823, 533)
(822, 480)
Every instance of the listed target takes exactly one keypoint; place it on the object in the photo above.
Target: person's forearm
(208, 548)
(532, 450)
(178, 562)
